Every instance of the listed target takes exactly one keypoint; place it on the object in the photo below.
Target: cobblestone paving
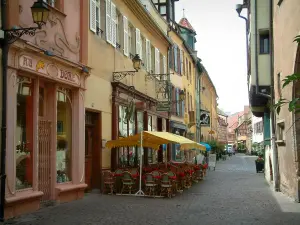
(232, 194)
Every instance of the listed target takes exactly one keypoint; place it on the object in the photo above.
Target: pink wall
(61, 34)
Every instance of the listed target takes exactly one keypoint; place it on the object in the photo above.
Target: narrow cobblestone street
(232, 194)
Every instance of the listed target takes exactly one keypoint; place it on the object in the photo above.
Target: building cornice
(148, 21)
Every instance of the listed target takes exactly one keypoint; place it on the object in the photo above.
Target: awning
(207, 146)
(153, 139)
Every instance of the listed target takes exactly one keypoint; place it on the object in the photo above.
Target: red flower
(173, 177)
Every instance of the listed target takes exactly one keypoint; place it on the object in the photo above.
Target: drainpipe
(3, 108)
(247, 46)
(273, 116)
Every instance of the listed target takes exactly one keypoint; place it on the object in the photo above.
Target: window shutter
(177, 102)
(170, 54)
(141, 46)
(164, 65)
(181, 62)
(183, 107)
(175, 59)
(157, 61)
(113, 25)
(147, 55)
(126, 44)
(138, 42)
(173, 99)
(93, 15)
(108, 21)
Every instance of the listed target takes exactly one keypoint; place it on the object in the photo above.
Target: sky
(221, 45)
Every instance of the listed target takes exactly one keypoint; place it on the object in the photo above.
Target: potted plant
(259, 163)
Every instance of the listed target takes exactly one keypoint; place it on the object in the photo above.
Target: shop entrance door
(44, 147)
(93, 144)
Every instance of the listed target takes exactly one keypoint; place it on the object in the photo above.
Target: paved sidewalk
(233, 194)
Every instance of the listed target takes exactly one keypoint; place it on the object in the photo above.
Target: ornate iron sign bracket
(117, 76)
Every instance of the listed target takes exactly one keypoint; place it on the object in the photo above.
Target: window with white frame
(157, 61)
(126, 36)
(153, 59)
(144, 58)
(138, 43)
(130, 40)
(148, 54)
(119, 33)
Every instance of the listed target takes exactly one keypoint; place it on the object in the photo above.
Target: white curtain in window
(114, 19)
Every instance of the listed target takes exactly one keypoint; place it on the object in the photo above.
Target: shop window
(24, 133)
(64, 135)
(127, 155)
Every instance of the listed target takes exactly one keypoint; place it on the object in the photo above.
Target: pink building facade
(45, 109)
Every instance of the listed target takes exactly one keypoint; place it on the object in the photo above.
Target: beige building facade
(123, 101)
(287, 62)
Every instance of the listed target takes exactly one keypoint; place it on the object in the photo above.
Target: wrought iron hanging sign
(204, 118)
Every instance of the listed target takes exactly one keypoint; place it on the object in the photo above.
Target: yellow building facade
(209, 113)
(182, 70)
(119, 100)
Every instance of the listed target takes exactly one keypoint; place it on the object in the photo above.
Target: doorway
(93, 148)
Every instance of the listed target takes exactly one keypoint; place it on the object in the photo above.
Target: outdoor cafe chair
(128, 182)
(108, 181)
(150, 184)
(118, 179)
(166, 186)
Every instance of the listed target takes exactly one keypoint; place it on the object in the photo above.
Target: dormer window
(165, 8)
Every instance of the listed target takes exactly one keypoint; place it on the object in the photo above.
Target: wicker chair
(166, 186)
(150, 184)
(171, 174)
(108, 182)
(118, 180)
(127, 182)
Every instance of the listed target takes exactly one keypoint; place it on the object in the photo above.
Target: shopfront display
(45, 117)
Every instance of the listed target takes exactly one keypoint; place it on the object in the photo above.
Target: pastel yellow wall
(104, 59)
(182, 82)
(209, 103)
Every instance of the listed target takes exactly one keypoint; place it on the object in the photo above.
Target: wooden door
(88, 156)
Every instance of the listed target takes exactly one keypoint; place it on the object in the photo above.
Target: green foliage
(216, 146)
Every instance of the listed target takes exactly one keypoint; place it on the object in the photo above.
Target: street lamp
(136, 63)
(40, 13)
(182, 95)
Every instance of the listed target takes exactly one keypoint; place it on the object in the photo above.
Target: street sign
(163, 106)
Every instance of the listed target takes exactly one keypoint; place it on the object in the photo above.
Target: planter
(259, 166)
